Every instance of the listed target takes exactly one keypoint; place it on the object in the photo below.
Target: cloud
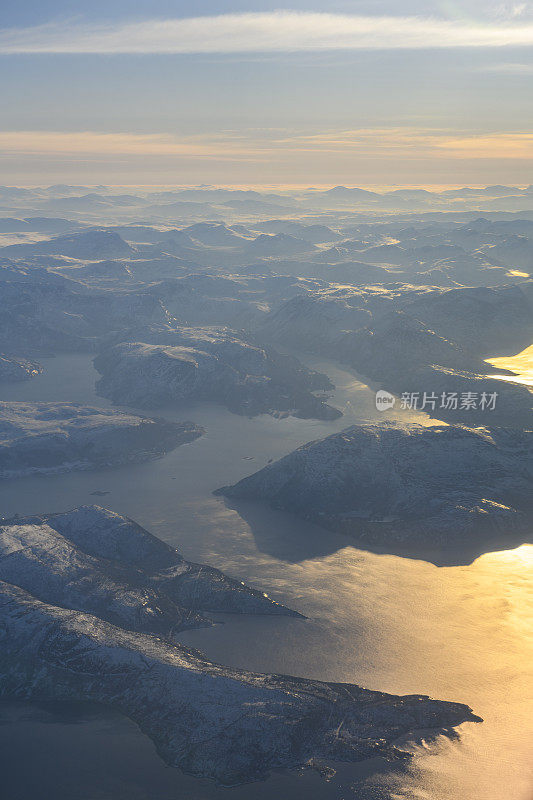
(412, 142)
(490, 146)
(261, 145)
(369, 156)
(508, 69)
(512, 10)
(42, 143)
(279, 31)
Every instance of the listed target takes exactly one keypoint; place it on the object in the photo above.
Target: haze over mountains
(204, 201)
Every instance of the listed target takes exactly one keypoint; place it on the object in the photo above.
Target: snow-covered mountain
(87, 245)
(44, 437)
(313, 233)
(209, 364)
(80, 620)
(279, 244)
(392, 482)
(91, 559)
(316, 320)
(41, 311)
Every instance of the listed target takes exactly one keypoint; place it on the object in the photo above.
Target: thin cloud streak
(509, 69)
(258, 146)
(41, 142)
(280, 31)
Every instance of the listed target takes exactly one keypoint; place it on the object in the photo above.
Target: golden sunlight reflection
(521, 557)
(400, 625)
(521, 365)
(516, 570)
(516, 273)
(498, 681)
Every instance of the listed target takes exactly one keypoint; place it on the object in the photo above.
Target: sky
(358, 92)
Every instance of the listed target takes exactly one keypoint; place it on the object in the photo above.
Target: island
(51, 437)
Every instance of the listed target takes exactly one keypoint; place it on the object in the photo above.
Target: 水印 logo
(384, 400)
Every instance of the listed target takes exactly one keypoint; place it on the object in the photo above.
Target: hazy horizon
(365, 94)
(271, 187)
